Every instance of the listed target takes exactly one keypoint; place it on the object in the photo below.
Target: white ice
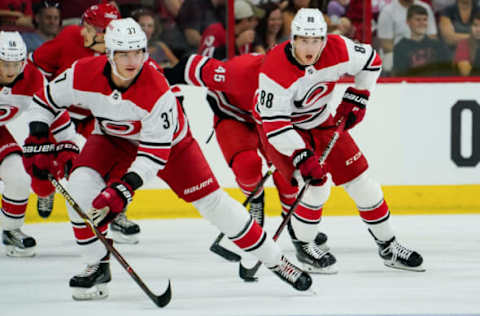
(205, 284)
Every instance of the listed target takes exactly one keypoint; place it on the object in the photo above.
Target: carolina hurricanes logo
(120, 128)
(7, 112)
(315, 93)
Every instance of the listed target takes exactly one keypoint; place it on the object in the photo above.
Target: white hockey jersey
(145, 113)
(294, 96)
(17, 96)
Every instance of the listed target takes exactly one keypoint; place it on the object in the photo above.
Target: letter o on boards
(456, 137)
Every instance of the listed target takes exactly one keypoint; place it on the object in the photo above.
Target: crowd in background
(414, 37)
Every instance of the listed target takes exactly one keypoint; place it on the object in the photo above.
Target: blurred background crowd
(414, 37)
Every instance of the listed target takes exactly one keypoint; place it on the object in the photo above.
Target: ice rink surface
(205, 284)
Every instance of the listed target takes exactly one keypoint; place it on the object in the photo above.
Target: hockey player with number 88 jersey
(140, 132)
(296, 82)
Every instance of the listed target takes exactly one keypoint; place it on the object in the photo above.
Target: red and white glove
(39, 157)
(310, 168)
(352, 107)
(67, 152)
(110, 202)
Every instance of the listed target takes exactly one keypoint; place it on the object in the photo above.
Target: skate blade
(120, 238)
(332, 269)
(96, 292)
(400, 266)
(13, 251)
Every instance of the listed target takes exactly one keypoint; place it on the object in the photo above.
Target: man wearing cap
(213, 42)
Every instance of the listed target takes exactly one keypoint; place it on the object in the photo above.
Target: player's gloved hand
(110, 202)
(310, 168)
(67, 152)
(39, 157)
(352, 107)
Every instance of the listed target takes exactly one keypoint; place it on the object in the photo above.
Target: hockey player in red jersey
(55, 56)
(296, 81)
(140, 132)
(18, 82)
(232, 86)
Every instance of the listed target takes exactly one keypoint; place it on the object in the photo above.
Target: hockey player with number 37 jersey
(296, 82)
(140, 132)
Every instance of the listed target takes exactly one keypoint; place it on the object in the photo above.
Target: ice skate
(45, 205)
(293, 275)
(320, 240)
(18, 244)
(399, 257)
(123, 230)
(91, 284)
(314, 259)
(257, 211)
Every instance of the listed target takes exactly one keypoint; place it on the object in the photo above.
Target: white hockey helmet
(308, 22)
(12, 47)
(124, 35)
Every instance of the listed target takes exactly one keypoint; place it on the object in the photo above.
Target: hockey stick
(247, 274)
(224, 252)
(159, 300)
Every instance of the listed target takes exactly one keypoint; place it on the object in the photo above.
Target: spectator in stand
(439, 5)
(167, 12)
(467, 55)
(420, 55)
(213, 43)
(47, 20)
(392, 26)
(291, 9)
(16, 15)
(269, 30)
(455, 22)
(196, 15)
(158, 50)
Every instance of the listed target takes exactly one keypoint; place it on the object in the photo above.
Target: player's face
(9, 70)
(307, 49)
(129, 63)
(93, 37)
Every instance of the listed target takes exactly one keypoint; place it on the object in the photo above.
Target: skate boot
(292, 274)
(320, 240)
(91, 284)
(123, 230)
(45, 205)
(314, 258)
(257, 206)
(18, 244)
(399, 257)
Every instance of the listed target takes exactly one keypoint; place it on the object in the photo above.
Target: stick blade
(246, 274)
(225, 253)
(165, 298)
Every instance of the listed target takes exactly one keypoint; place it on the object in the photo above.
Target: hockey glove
(67, 152)
(352, 107)
(307, 162)
(39, 157)
(110, 202)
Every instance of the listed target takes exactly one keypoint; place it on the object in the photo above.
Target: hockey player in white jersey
(296, 81)
(140, 132)
(18, 82)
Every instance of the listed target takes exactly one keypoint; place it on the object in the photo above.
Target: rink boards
(422, 141)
